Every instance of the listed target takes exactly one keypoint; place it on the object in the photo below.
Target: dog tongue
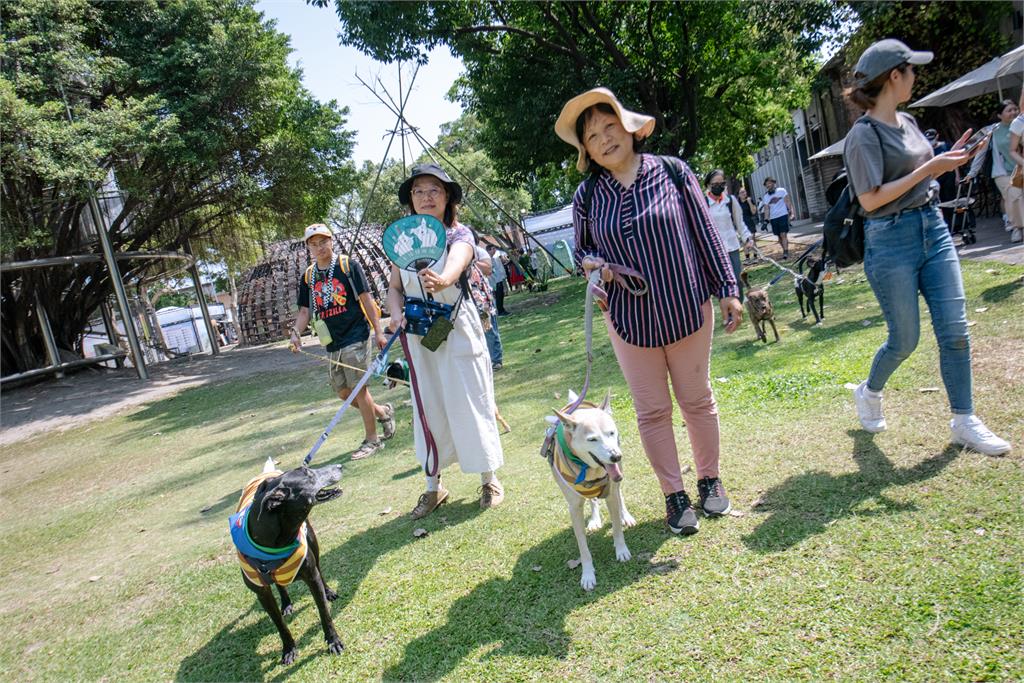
(613, 471)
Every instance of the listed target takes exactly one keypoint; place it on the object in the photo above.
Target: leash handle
(428, 437)
(351, 397)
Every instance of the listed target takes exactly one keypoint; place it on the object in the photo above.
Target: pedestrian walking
(778, 209)
(334, 293)
(909, 252)
(455, 381)
(727, 216)
(636, 211)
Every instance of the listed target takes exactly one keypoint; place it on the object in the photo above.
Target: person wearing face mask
(648, 213)
(727, 216)
(908, 251)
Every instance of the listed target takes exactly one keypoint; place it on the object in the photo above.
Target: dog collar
(250, 548)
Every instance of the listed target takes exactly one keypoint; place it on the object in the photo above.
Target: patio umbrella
(1011, 63)
(833, 150)
(981, 81)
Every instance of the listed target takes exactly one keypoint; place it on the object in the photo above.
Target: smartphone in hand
(972, 143)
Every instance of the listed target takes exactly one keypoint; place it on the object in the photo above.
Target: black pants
(499, 297)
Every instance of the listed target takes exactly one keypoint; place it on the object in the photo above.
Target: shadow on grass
(231, 654)
(805, 504)
(525, 614)
(1001, 292)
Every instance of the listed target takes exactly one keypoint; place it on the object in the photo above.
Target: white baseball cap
(317, 229)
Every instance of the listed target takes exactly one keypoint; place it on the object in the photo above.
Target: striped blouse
(665, 234)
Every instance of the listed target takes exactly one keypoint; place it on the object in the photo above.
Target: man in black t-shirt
(334, 292)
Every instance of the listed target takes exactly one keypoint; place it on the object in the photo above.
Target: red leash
(428, 437)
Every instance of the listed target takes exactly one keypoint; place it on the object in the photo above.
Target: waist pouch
(429, 319)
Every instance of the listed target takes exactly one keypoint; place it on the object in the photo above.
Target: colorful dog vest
(574, 471)
(261, 565)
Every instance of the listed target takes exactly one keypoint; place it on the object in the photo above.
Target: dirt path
(58, 405)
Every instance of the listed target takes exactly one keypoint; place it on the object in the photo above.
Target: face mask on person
(717, 189)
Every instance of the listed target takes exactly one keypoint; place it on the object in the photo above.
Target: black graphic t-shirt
(336, 302)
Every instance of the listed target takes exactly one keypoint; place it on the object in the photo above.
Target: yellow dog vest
(259, 571)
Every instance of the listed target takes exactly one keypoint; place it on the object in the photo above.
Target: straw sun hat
(640, 125)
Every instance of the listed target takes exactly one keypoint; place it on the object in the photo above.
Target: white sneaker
(971, 432)
(869, 409)
(1017, 235)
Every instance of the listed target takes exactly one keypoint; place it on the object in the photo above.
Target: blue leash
(375, 367)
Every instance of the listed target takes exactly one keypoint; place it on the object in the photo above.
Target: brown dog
(759, 306)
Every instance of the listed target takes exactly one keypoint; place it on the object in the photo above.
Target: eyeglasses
(433, 192)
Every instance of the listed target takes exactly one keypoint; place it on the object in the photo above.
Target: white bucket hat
(317, 229)
(640, 125)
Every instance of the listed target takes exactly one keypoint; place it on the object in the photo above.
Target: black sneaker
(680, 515)
(713, 500)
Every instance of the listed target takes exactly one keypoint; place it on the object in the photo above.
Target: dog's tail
(269, 465)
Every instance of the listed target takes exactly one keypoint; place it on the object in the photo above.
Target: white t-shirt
(1017, 125)
(728, 218)
(777, 208)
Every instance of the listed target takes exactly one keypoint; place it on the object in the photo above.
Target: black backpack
(844, 225)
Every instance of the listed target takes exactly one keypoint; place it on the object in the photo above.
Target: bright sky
(329, 72)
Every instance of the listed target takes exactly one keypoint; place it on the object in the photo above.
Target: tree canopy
(190, 106)
(719, 77)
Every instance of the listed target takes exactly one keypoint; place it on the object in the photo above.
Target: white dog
(584, 455)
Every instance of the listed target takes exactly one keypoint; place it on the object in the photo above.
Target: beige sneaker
(491, 495)
(429, 501)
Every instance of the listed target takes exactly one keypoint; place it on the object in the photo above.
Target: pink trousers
(647, 372)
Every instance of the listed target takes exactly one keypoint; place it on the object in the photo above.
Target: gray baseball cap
(884, 55)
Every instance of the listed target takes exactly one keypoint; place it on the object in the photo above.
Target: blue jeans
(494, 341)
(912, 252)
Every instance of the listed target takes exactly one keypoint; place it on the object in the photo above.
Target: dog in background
(584, 455)
(276, 544)
(759, 307)
(810, 287)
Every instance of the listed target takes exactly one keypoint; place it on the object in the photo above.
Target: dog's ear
(566, 418)
(606, 404)
(274, 499)
(573, 396)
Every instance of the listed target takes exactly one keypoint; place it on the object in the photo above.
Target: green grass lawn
(854, 557)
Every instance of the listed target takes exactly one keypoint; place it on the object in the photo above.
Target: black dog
(276, 543)
(810, 287)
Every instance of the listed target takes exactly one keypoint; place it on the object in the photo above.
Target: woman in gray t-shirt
(907, 246)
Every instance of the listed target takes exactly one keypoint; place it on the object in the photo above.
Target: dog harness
(261, 565)
(573, 470)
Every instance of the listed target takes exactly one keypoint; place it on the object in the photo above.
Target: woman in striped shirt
(648, 213)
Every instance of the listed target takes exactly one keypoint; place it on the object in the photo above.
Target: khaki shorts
(355, 355)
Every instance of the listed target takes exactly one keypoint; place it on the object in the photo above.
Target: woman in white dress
(455, 382)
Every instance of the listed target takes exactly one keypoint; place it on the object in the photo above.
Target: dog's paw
(623, 555)
(335, 646)
(627, 520)
(594, 524)
(588, 580)
(289, 655)
(329, 594)
(287, 610)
